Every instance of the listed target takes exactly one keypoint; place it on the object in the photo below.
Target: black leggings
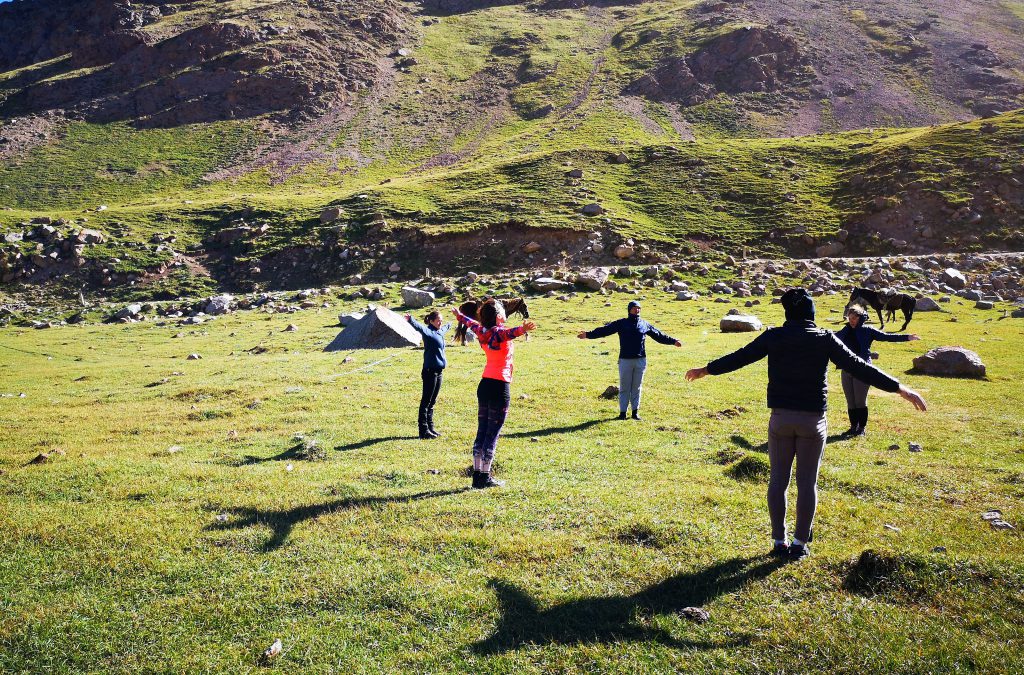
(493, 397)
(431, 387)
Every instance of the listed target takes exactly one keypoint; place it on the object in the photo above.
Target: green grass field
(120, 556)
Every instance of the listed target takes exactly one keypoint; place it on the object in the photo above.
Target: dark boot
(636, 416)
(430, 425)
(488, 481)
(424, 429)
(478, 480)
(862, 421)
(622, 415)
(854, 415)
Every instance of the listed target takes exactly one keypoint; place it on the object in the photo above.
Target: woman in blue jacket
(434, 363)
(858, 338)
(632, 332)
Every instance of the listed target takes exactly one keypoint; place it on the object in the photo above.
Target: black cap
(799, 305)
(632, 304)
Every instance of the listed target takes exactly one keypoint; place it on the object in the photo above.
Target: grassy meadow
(121, 555)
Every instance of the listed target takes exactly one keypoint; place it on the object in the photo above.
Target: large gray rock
(416, 298)
(593, 209)
(926, 304)
(740, 323)
(350, 318)
(545, 284)
(128, 312)
(219, 304)
(623, 251)
(953, 278)
(593, 279)
(331, 214)
(950, 361)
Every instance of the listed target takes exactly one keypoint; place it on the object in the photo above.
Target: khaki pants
(795, 435)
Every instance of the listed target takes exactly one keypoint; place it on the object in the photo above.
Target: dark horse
(890, 304)
(471, 307)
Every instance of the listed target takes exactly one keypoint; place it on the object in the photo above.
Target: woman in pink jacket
(494, 392)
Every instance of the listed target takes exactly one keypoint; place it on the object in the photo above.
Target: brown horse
(889, 304)
(471, 308)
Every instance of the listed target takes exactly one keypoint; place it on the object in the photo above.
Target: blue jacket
(433, 345)
(859, 339)
(632, 332)
(798, 355)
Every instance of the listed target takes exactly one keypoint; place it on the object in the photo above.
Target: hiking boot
(636, 416)
(434, 433)
(425, 434)
(478, 480)
(488, 481)
(798, 551)
(780, 549)
(622, 415)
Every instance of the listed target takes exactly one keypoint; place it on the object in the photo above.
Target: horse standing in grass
(471, 307)
(889, 304)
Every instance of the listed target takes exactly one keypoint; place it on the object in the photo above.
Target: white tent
(379, 329)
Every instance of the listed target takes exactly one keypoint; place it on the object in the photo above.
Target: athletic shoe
(637, 417)
(798, 551)
(622, 415)
(488, 481)
(780, 550)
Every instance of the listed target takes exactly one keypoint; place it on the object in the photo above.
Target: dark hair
(488, 313)
(860, 312)
(433, 315)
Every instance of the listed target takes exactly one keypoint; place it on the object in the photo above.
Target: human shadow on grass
(551, 431)
(282, 521)
(618, 618)
(367, 442)
(747, 445)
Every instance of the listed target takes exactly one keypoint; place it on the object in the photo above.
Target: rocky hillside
(263, 143)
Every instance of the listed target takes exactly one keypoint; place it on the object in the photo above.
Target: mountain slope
(424, 120)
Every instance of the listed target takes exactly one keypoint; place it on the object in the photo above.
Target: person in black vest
(858, 338)
(798, 355)
(434, 363)
(632, 331)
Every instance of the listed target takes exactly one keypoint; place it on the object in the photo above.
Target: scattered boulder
(331, 214)
(593, 209)
(740, 323)
(128, 312)
(531, 247)
(950, 362)
(546, 284)
(984, 304)
(926, 304)
(194, 357)
(416, 298)
(219, 304)
(593, 279)
(610, 393)
(697, 614)
(349, 318)
(953, 278)
(623, 251)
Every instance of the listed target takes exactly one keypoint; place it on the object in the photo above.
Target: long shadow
(615, 618)
(290, 453)
(551, 431)
(281, 521)
(742, 442)
(365, 443)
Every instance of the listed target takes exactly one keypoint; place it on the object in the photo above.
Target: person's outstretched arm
(840, 355)
(419, 327)
(882, 336)
(604, 331)
(658, 336)
(445, 328)
(756, 350)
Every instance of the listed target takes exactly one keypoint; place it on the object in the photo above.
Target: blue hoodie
(433, 344)
(632, 333)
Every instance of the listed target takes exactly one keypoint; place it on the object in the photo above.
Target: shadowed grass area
(167, 532)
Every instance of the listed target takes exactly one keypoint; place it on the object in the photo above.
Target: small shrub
(750, 468)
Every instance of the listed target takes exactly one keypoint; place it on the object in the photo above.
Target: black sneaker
(798, 551)
(780, 550)
(637, 417)
(489, 481)
(433, 433)
(622, 415)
